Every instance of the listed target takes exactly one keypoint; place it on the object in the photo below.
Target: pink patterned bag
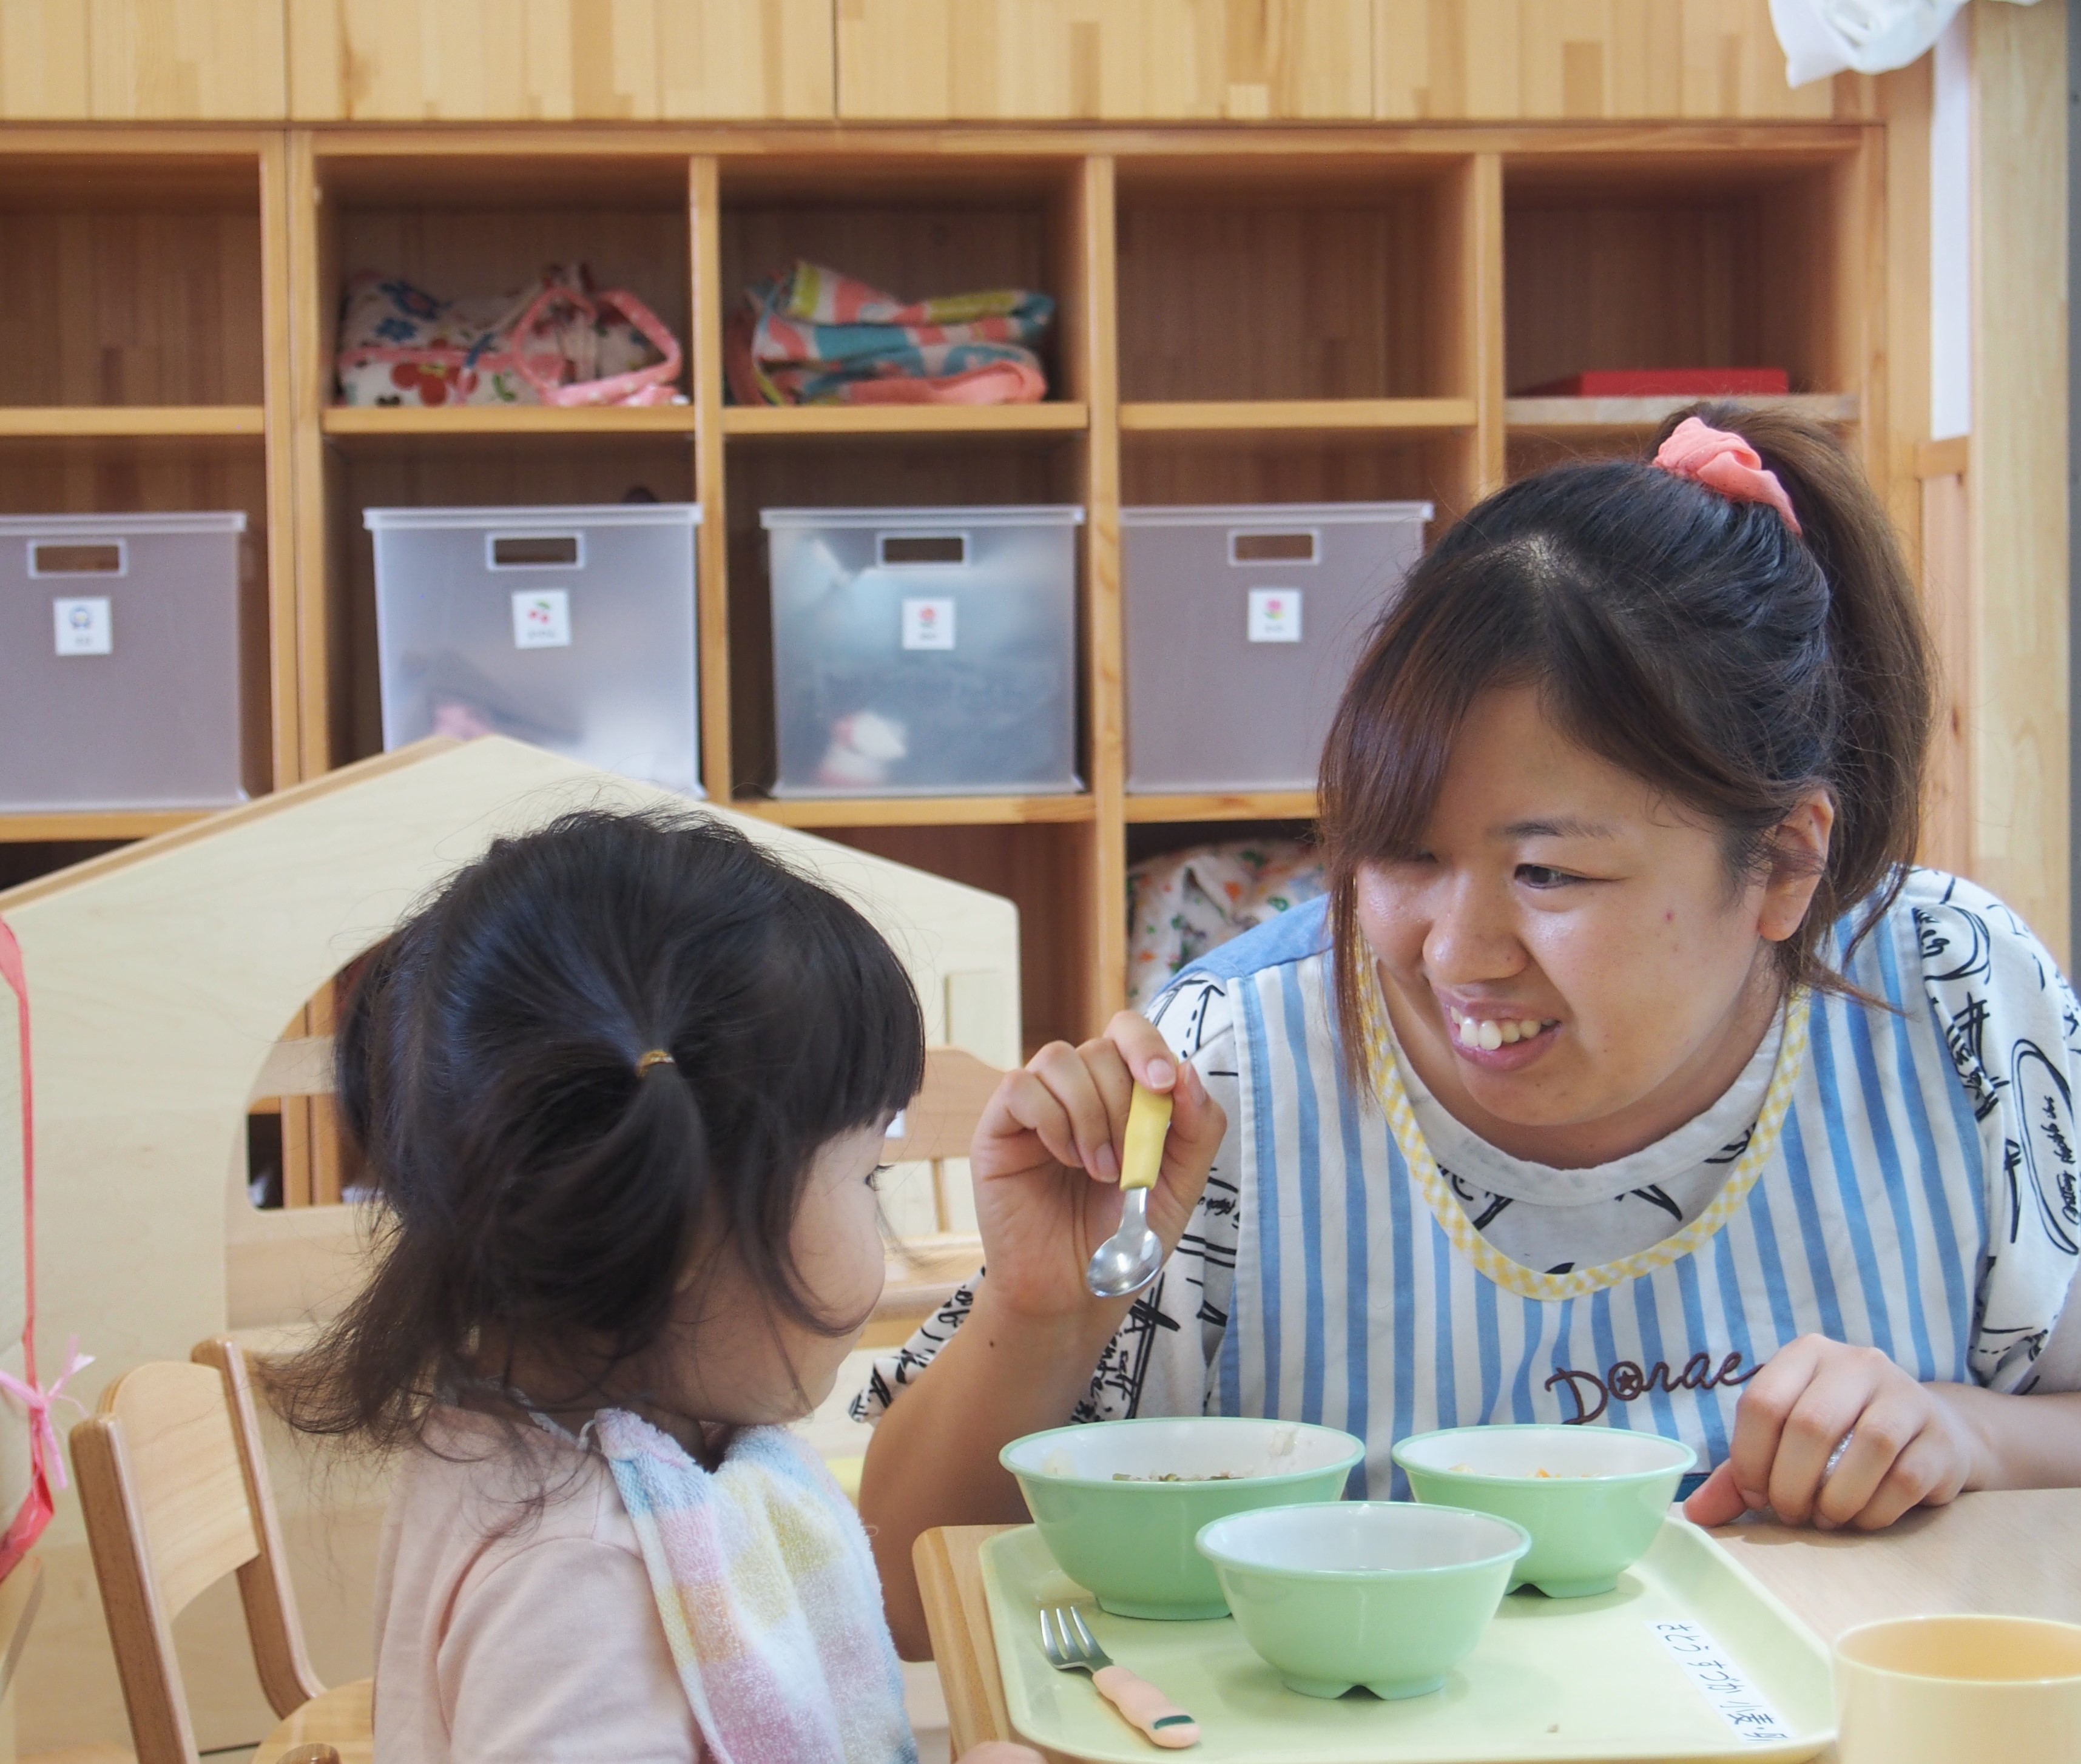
(557, 342)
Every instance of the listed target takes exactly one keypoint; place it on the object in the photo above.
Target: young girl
(623, 1084)
(1629, 1076)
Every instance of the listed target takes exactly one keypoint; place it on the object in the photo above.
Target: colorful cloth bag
(769, 1596)
(812, 336)
(556, 342)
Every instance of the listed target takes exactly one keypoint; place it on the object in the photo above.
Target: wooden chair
(173, 1483)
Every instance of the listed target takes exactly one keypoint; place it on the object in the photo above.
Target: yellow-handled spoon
(1133, 1255)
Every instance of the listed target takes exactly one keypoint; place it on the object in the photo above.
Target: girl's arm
(1045, 1162)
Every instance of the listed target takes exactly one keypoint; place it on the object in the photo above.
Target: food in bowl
(1383, 1594)
(1592, 1498)
(1118, 1503)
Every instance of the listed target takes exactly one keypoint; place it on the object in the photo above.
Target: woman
(1629, 1075)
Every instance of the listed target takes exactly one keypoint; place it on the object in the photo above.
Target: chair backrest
(173, 1486)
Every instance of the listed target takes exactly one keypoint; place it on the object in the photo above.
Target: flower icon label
(1275, 615)
(542, 619)
(83, 627)
(928, 624)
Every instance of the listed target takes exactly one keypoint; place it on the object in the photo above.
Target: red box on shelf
(1666, 383)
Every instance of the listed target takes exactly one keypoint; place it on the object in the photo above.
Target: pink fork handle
(1147, 1707)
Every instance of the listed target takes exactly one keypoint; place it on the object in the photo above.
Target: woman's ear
(1799, 859)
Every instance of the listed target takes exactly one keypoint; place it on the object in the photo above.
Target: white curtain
(1822, 37)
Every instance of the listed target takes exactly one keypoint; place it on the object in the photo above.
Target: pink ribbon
(37, 1400)
(1724, 462)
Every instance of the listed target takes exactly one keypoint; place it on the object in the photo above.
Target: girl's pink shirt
(501, 1636)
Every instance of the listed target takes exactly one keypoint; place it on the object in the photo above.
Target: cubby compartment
(1046, 870)
(886, 472)
(917, 228)
(478, 224)
(130, 281)
(1292, 279)
(474, 471)
(105, 481)
(1681, 260)
(1304, 466)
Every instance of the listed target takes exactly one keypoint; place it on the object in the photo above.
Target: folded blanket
(812, 336)
(769, 1596)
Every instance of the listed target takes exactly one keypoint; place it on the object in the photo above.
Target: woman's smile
(1497, 1037)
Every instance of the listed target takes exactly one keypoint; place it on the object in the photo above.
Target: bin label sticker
(1275, 615)
(928, 624)
(542, 619)
(1710, 1667)
(84, 626)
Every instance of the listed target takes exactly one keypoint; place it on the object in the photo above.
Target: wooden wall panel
(1537, 59)
(2016, 487)
(142, 61)
(1129, 60)
(553, 61)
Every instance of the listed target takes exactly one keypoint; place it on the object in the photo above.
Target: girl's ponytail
(600, 1054)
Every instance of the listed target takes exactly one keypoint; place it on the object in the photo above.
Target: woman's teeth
(1491, 1033)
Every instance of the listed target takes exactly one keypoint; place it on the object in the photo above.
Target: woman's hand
(1000, 1752)
(1046, 1161)
(1906, 1446)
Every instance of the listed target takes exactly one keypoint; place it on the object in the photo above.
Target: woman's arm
(1046, 1165)
(1836, 1436)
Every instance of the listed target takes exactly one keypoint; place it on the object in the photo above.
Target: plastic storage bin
(924, 651)
(1242, 624)
(121, 643)
(569, 627)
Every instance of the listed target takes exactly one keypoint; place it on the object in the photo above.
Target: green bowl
(1591, 1516)
(1131, 1542)
(1385, 1593)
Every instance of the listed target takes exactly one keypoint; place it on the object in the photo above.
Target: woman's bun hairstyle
(1695, 641)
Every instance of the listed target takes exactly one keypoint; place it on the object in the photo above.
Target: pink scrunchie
(1726, 463)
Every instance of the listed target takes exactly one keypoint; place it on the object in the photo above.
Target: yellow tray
(1580, 1678)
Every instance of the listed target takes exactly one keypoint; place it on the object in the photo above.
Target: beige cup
(1958, 1690)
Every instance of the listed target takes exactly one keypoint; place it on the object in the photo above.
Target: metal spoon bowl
(1131, 1257)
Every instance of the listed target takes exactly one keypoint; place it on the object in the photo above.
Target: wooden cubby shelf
(131, 422)
(1241, 316)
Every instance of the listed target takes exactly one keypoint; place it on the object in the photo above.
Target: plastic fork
(1068, 1642)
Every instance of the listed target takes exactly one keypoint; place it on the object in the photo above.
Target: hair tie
(1723, 461)
(656, 1056)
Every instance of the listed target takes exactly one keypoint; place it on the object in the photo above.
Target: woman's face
(749, 1363)
(1566, 961)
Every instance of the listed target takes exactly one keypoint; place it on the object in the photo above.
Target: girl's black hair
(545, 1199)
(1696, 642)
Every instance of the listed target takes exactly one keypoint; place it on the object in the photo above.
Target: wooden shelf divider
(904, 419)
(1248, 415)
(919, 811)
(83, 824)
(1223, 805)
(136, 422)
(1592, 416)
(506, 419)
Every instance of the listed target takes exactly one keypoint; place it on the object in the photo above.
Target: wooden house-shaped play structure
(159, 981)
